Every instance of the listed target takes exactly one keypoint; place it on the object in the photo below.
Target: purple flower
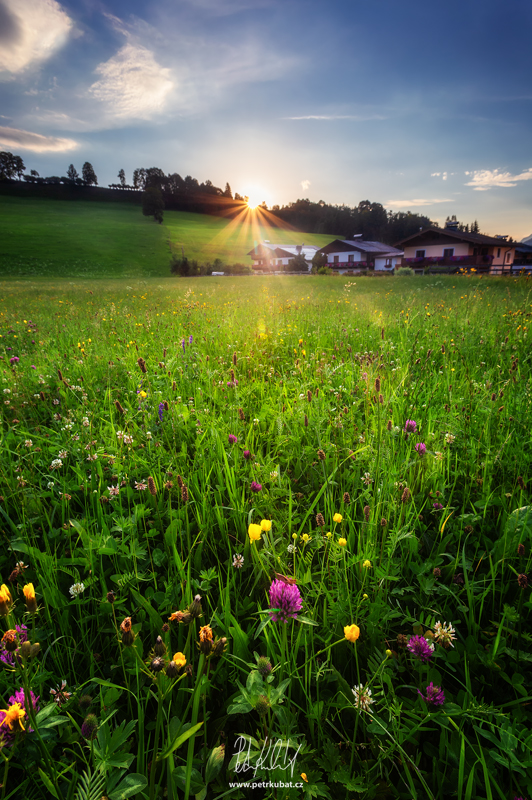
(161, 411)
(437, 506)
(33, 366)
(434, 696)
(190, 339)
(420, 648)
(255, 487)
(410, 426)
(7, 736)
(183, 344)
(9, 658)
(246, 454)
(285, 601)
(420, 448)
(232, 438)
(14, 360)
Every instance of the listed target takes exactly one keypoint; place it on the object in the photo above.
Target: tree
(34, 173)
(122, 177)
(72, 172)
(154, 178)
(139, 178)
(153, 204)
(227, 192)
(88, 174)
(297, 264)
(10, 166)
(319, 261)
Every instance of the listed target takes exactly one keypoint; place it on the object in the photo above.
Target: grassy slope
(43, 237)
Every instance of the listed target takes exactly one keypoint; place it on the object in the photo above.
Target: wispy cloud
(442, 175)
(30, 32)
(355, 117)
(25, 140)
(484, 179)
(417, 202)
(133, 85)
(305, 185)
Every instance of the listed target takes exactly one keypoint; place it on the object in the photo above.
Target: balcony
(449, 264)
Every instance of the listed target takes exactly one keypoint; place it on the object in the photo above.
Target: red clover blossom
(285, 601)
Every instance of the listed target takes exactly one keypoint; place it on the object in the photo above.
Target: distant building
(268, 257)
(346, 255)
(449, 247)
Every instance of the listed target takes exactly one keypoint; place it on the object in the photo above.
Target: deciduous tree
(88, 174)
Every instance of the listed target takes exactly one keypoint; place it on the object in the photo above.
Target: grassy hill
(42, 237)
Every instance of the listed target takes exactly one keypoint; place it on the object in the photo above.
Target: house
(268, 257)
(523, 256)
(346, 255)
(454, 249)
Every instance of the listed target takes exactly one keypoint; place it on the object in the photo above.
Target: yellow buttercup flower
(254, 532)
(31, 600)
(351, 632)
(364, 597)
(266, 525)
(305, 537)
(337, 518)
(367, 564)
(328, 534)
(143, 394)
(6, 601)
(389, 654)
(342, 542)
(179, 659)
(304, 776)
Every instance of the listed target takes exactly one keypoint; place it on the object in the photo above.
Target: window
(498, 252)
(351, 258)
(388, 262)
(508, 256)
(448, 252)
(420, 254)
(336, 259)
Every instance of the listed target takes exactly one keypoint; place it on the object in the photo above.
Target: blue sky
(417, 105)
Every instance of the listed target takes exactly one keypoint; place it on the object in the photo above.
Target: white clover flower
(85, 422)
(7, 391)
(114, 491)
(274, 475)
(449, 438)
(438, 455)
(56, 463)
(363, 698)
(28, 443)
(238, 561)
(50, 485)
(76, 589)
(367, 479)
(63, 454)
(92, 457)
(127, 439)
(148, 435)
(444, 634)
(55, 402)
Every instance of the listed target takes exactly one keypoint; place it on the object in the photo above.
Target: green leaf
(48, 783)
(171, 746)
(196, 783)
(214, 763)
(130, 784)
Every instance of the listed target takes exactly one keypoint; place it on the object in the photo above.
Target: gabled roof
(269, 250)
(360, 246)
(454, 235)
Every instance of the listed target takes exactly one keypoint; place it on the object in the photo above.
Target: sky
(417, 105)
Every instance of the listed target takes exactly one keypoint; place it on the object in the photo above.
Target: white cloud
(25, 140)
(133, 84)
(419, 202)
(355, 117)
(442, 175)
(484, 179)
(30, 32)
(305, 185)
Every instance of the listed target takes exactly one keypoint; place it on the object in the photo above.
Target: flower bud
(264, 666)
(157, 664)
(263, 704)
(195, 609)
(159, 648)
(89, 727)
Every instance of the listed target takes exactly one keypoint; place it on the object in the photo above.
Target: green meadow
(268, 530)
(84, 239)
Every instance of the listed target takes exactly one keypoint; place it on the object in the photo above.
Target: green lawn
(42, 237)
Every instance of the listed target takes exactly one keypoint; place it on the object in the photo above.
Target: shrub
(404, 271)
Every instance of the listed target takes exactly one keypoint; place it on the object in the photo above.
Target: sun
(254, 196)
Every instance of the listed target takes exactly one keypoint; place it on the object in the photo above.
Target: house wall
(380, 263)
(436, 250)
(343, 258)
(502, 260)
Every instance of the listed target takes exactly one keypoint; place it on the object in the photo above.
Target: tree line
(171, 191)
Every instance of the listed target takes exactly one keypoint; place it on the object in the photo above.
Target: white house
(346, 255)
(268, 257)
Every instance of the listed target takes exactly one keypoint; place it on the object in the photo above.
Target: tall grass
(125, 496)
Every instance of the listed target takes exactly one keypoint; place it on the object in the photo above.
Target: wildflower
(420, 648)
(321, 455)
(367, 564)
(238, 561)
(76, 589)
(346, 498)
(31, 601)
(521, 550)
(285, 601)
(329, 534)
(406, 496)
(195, 610)
(255, 487)
(246, 454)
(367, 512)
(305, 537)
(59, 695)
(266, 525)
(254, 532)
(522, 580)
(410, 426)
(363, 699)
(274, 475)
(151, 486)
(367, 479)
(444, 634)
(127, 439)
(351, 632)
(89, 726)
(342, 542)
(128, 637)
(290, 549)
(264, 666)
(364, 596)
(114, 491)
(420, 448)
(434, 695)
(56, 463)
(320, 521)
(180, 660)
(449, 438)
(458, 579)
(436, 572)
(205, 639)
(28, 443)
(9, 641)
(13, 715)
(6, 601)
(304, 776)
(437, 506)
(337, 518)
(233, 439)
(140, 486)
